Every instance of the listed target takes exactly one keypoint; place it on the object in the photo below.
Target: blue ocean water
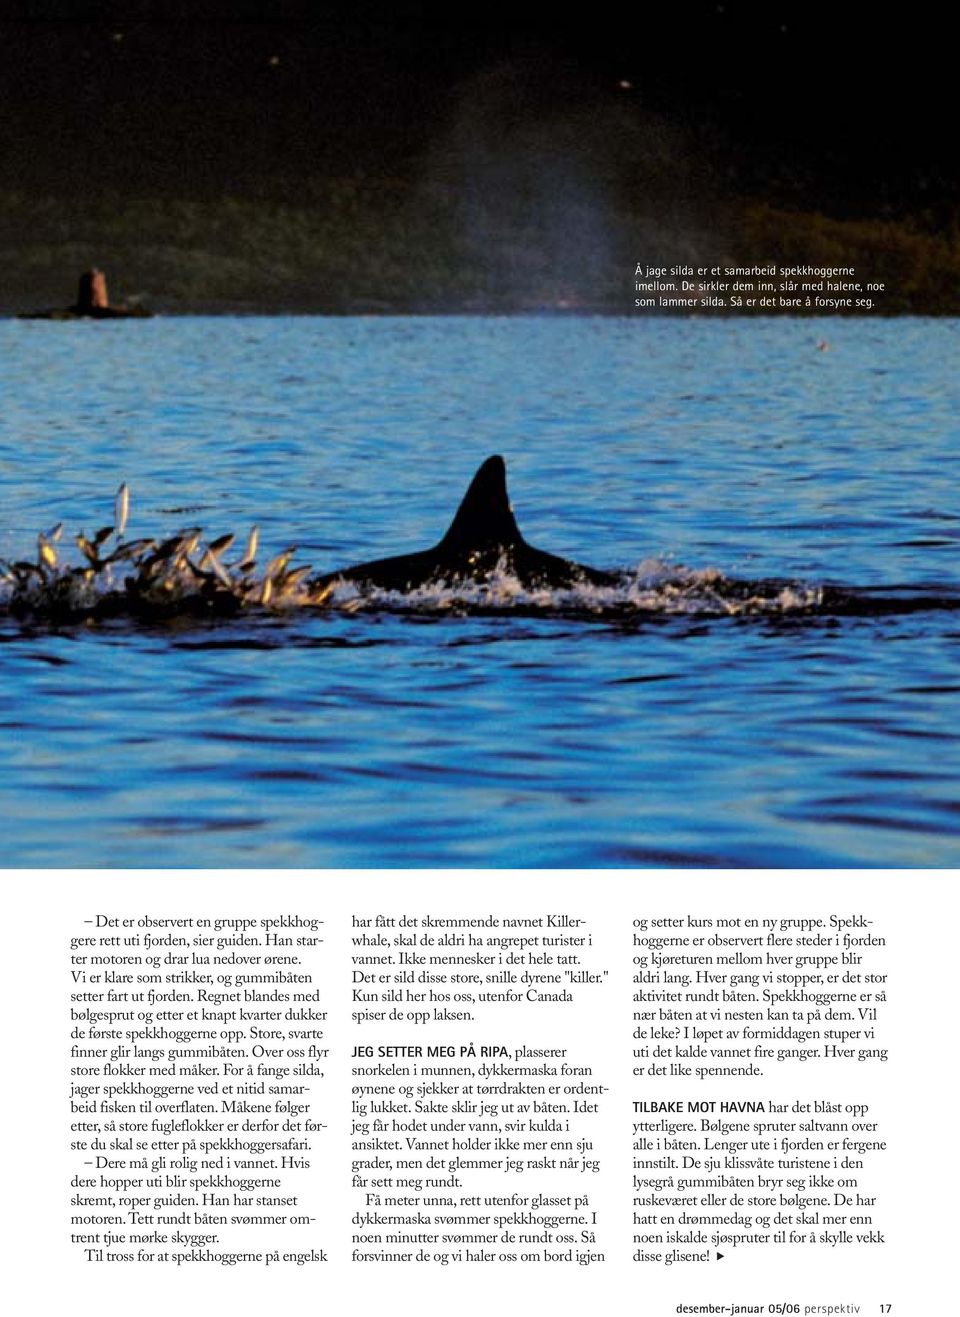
(379, 739)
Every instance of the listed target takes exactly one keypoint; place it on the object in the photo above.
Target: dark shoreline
(393, 247)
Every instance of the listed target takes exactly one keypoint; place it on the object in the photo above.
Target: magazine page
(478, 657)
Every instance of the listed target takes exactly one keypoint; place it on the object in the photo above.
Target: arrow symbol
(719, 1256)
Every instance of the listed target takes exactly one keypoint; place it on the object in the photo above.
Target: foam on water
(651, 587)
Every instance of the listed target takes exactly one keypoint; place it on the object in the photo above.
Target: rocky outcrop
(93, 303)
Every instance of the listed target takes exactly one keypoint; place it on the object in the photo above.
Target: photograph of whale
(718, 627)
(482, 564)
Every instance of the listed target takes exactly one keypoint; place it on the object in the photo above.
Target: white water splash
(652, 586)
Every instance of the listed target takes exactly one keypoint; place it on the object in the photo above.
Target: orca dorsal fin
(484, 517)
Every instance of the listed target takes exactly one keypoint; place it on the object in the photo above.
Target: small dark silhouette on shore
(93, 303)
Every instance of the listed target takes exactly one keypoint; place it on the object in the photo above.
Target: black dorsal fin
(484, 517)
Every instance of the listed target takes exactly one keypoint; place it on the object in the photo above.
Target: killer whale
(482, 539)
